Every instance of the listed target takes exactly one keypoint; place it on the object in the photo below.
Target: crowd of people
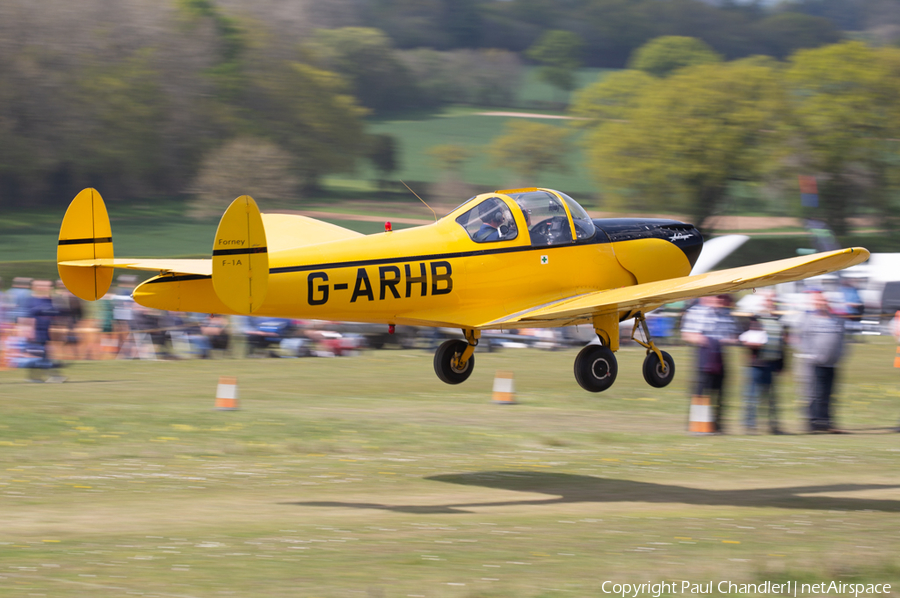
(816, 343)
(42, 326)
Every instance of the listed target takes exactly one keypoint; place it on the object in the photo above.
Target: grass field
(366, 476)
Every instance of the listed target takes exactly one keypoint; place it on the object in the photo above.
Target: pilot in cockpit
(492, 218)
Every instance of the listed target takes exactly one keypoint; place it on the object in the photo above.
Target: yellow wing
(648, 296)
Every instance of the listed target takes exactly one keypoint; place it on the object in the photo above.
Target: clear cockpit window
(584, 226)
(545, 216)
(489, 221)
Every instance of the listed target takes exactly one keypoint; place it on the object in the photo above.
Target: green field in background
(474, 131)
(367, 476)
(535, 93)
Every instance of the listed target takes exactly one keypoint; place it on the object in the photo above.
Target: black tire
(443, 358)
(596, 368)
(653, 372)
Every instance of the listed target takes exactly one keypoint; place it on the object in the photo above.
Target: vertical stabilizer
(240, 259)
(85, 234)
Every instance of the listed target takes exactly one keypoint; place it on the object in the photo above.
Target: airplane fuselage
(438, 274)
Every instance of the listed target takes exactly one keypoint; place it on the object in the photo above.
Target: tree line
(703, 135)
(141, 98)
(214, 98)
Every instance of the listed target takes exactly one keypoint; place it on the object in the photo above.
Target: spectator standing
(123, 318)
(69, 311)
(42, 311)
(18, 299)
(215, 329)
(766, 341)
(709, 326)
(821, 337)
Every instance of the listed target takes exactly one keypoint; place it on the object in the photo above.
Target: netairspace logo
(787, 588)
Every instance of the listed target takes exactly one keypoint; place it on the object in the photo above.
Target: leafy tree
(383, 155)
(479, 77)
(462, 22)
(663, 55)
(366, 58)
(31, 94)
(226, 69)
(610, 98)
(306, 111)
(845, 108)
(529, 148)
(560, 54)
(244, 165)
(687, 139)
(450, 157)
(784, 33)
(611, 29)
(118, 142)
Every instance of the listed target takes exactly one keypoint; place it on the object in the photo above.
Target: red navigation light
(391, 329)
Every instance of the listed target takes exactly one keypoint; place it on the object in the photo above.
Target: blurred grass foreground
(367, 476)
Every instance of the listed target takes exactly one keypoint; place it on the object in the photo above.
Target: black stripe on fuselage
(179, 278)
(417, 258)
(375, 262)
(219, 252)
(85, 241)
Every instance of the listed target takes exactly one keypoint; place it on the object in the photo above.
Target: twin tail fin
(240, 260)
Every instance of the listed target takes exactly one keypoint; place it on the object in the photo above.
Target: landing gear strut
(454, 360)
(659, 367)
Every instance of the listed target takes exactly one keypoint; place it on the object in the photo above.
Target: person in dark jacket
(709, 326)
(766, 341)
(42, 312)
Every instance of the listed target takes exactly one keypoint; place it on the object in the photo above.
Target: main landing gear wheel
(445, 358)
(653, 369)
(596, 368)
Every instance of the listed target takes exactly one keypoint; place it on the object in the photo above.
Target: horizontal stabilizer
(200, 267)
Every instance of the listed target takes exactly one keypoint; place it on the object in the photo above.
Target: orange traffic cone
(227, 394)
(504, 389)
(701, 418)
(897, 359)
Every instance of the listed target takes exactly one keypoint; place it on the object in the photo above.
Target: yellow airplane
(519, 258)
